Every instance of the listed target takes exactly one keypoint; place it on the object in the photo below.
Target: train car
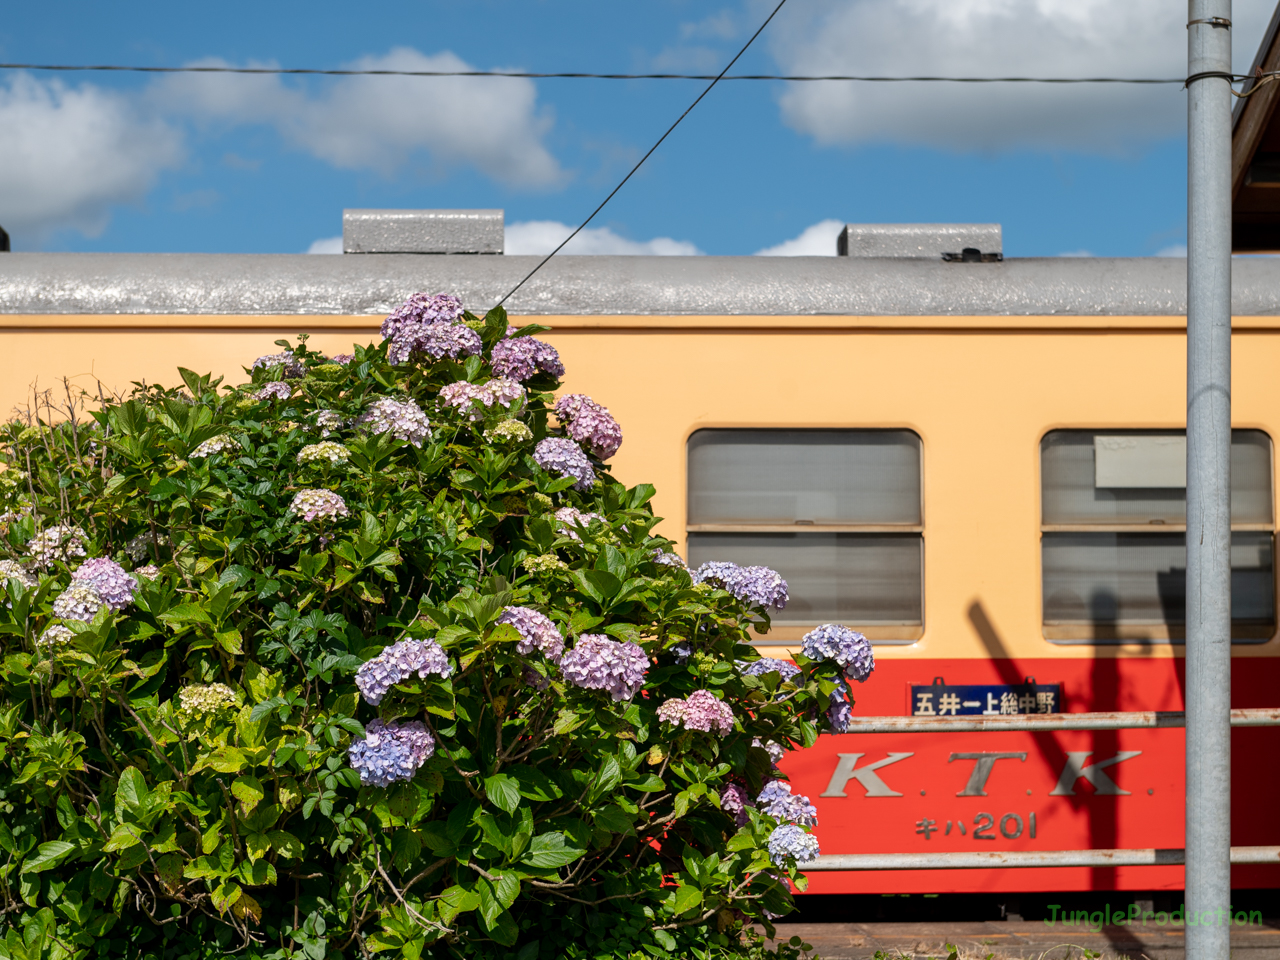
(976, 461)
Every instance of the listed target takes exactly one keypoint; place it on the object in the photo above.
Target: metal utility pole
(1208, 651)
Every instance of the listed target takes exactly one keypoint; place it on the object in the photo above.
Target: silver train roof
(210, 284)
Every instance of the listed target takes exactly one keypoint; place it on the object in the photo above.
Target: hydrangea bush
(372, 656)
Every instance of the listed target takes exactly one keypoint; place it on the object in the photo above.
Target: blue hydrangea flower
(390, 751)
(664, 559)
(840, 712)
(789, 842)
(598, 663)
(846, 647)
(398, 662)
(760, 586)
(565, 458)
(777, 800)
(783, 668)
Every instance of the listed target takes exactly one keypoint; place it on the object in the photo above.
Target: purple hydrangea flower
(840, 711)
(390, 751)
(777, 800)
(669, 560)
(403, 419)
(590, 424)
(435, 340)
(536, 680)
(278, 389)
(310, 504)
(783, 668)
(775, 750)
(522, 357)
(565, 459)
(701, 710)
(537, 632)
(342, 359)
(114, 587)
(503, 392)
(598, 663)
(734, 800)
(569, 518)
(398, 662)
(760, 586)
(293, 367)
(78, 602)
(789, 842)
(846, 647)
(419, 309)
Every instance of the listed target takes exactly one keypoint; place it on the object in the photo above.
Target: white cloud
(326, 245)
(541, 236)
(1177, 250)
(494, 125)
(1066, 38)
(70, 153)
(818, 240)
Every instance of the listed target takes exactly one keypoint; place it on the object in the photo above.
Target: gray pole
(1208, 812)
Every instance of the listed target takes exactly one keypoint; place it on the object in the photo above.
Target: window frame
(879, 634)
(1066, 633)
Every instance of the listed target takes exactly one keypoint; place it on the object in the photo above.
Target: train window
(836, 512)
(1113, 530)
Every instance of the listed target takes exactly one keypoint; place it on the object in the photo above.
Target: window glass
(1109, 571)
(859, 579)
(1140, 578)
(808, 476)
(814, 505)
(1070, 494)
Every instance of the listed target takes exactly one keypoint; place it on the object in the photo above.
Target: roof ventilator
(977, 242)
(422, 231)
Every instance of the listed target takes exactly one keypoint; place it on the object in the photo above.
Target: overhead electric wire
(641, 161)
(578, 75)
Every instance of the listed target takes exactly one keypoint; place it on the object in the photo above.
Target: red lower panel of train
(1066, 790)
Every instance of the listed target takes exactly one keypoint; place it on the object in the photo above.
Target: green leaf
(185, 613)
(257, 844)
(230, 640)
(667, 941)
(48, 855)
(549, 851)
(648, 784)
(248, 790)
(607, 777)
(456, 900)
(687, 898)
(536, 785)
(124, 836)
(503, 791)
(612, 818)
(286, 844)
(503, 929)
(131, 792)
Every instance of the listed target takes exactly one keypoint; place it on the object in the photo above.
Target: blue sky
(210, 163)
